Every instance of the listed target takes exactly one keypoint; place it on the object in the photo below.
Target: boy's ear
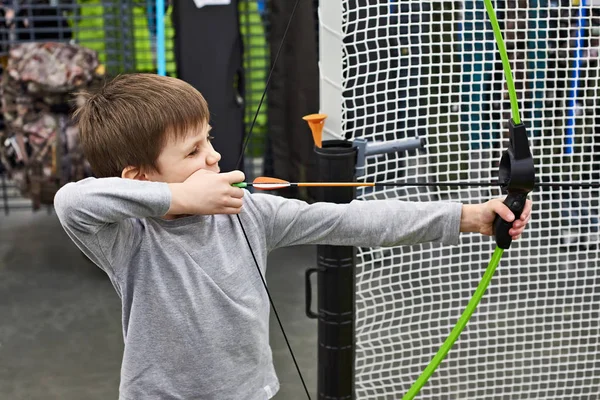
(134, 173)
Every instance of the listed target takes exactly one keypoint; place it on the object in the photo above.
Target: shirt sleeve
(370, 223)
(100, 215)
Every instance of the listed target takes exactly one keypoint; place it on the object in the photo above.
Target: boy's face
(181, 158)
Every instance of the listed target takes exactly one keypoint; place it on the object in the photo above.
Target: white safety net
(431, 69)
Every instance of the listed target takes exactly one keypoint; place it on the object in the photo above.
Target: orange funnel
(316, 122)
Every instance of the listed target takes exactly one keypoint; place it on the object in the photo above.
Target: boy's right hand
(206, 192)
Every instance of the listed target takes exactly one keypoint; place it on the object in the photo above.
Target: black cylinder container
(336, 162)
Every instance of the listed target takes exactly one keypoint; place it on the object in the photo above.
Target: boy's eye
(193, 152)
(210, 138)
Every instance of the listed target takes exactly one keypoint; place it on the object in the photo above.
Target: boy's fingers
(236, 192)
(520, 223)
(527, 211)
(234, 176)
(236, 203)
(231, 210)
(524, 220)
(503, 211)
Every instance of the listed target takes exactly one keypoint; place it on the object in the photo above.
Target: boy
(158, 220)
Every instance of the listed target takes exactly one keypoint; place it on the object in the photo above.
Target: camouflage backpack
(40, 142)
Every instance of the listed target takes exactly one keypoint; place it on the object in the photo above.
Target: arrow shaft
(389, 184)
(404, 184)
(365, 184)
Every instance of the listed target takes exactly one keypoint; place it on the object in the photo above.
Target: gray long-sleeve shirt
(194, 311)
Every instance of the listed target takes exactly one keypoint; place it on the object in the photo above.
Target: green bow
(489, 272)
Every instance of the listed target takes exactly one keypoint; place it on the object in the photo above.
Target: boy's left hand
(488, 211)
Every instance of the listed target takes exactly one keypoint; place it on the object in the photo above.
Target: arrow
(268, 183)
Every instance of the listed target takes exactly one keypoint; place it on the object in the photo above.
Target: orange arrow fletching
(267, 183)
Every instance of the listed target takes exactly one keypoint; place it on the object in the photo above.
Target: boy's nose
(213, 158)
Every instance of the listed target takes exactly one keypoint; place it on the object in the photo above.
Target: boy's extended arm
(360, 223)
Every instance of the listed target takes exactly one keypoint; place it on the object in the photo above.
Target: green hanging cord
(498, 252)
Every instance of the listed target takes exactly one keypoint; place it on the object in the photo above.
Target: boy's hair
(129, 120)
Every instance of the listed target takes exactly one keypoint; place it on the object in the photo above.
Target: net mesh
(431, 69)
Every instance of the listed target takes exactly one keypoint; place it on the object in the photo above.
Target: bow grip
(517, 178)
(516, 203)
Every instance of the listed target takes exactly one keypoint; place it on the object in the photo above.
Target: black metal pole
(336, 162)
